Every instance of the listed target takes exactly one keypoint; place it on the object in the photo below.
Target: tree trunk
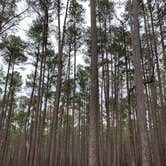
(94, 98)
(140, 98)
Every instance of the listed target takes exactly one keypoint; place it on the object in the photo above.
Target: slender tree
(94, 96)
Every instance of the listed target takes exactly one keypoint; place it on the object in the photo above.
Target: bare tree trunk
(140, 99)
(94, 96)
(27, 141)
(52, 145)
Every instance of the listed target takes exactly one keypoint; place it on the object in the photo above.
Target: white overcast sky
(25, 24)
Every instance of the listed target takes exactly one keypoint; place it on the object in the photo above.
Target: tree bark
(94, 96)
(140, 98)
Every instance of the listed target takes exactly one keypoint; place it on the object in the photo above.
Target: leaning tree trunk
(52, 143)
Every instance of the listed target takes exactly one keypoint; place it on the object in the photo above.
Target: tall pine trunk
(140, 97)
(94, 96)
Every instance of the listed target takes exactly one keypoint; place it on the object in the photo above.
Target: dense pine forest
(82, 83)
